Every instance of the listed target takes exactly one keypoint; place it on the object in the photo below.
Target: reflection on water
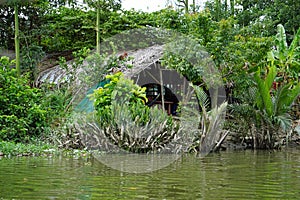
(228, 175)
(136, 163)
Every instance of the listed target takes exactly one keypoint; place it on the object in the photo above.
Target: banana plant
(276, 104)
(264, 99)
(285, 57)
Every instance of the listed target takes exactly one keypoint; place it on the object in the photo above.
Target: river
(225, 175)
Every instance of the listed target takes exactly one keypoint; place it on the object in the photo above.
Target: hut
(164, 87)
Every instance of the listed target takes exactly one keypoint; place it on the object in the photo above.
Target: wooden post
(214, 97)
(162, 89)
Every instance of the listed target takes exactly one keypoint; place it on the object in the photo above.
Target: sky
(144, 5)
(148, 5)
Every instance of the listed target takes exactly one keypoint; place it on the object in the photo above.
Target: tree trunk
(17, 41)
(186, 5)
(218, 9)
(226, 10)
(194, 6)
(98, 30)
(232, 7)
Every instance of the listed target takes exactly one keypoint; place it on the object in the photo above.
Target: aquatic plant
(210, 132)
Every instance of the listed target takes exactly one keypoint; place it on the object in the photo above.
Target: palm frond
(211, 133)
(284, 121)
(202, 97)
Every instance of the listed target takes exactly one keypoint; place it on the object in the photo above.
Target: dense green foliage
(20, 149)
(21, 113)
(252, 44)
(126, 120)
(68, 29)
(25, 112)
(121, 91)
(265, 105)
(49, 22)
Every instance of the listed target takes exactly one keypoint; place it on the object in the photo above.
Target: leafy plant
(21, 113)
(120, 90)
(210, 134)
(284, 57)
(27, 112)
(125, 133)
(14, 149)
(124, 118)
(275, 105)
(30, 57)
(266, 111)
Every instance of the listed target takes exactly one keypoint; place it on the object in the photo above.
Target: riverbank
(9, 149)
(38, 149)
(20, 149)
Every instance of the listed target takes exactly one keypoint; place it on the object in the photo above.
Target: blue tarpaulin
(86, 104)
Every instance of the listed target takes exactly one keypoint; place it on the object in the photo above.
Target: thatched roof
(141, 59)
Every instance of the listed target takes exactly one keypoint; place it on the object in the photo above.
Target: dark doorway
(154, 96)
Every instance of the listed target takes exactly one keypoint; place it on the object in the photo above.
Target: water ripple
(228, 175)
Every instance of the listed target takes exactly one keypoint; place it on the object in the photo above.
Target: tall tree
(270, 13)
(102, 6)
(184, 4)
(218, 9)
(17, 40)
(232, 7)
(16, 4)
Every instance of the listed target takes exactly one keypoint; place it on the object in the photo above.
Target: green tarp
(86, 104)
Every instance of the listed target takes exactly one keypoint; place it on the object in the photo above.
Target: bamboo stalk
(17, 41)
(98, 30)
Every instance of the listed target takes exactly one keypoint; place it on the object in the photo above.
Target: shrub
(123, 117)
(120, 90)
(22, 115)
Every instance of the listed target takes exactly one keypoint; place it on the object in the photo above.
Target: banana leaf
(264, 99)
(284, 97)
